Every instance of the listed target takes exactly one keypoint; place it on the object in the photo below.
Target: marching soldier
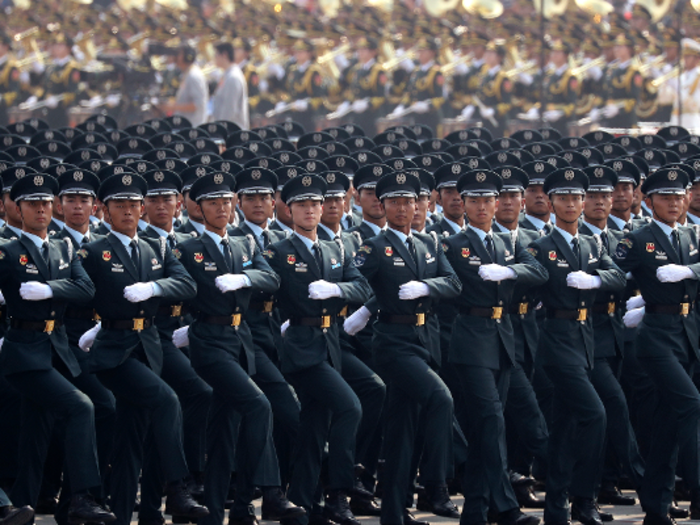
(9, 79)
(578, 266)
(690, 87)
(621, 87)
(258, 101)
(488, 265)
(663, 258)
(228, 270)
(368, 86)
(304, 85)
(467, 77)
(132, 274)
(560, 88)
(12, 230)
(412, 267)
(317, 279)
(40, 277)
(194, 225)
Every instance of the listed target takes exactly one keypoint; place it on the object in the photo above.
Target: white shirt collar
(427, 65)
(160, 231)
(217, 238)
(664, 227)
(367, 65)
(77, 235)
(595, 229)
(16, 231)
(693, 218)
(62, 61)
(257, 230)
(38, 241)
(330, 232)
(303, 67)
(400, 235)
(537, 223)
(495, 69)
(567, 236)
(620, 223)
(376, 229)
(125, 239)
(198, 226)
(307, 242)
(456, 228)
(481, 233)
(284, 226)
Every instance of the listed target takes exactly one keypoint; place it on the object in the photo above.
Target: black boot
(436, 499)
(585, 511)
(10, 515)
(338, 508)
(525, 494)
(613, 496)
(179, 502)
(276, 506)
(83, 508)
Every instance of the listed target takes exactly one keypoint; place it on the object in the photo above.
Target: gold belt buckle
(611, 308)
(267, 307)
(582, 314)
(344, 311)
(138, 324)
(325, 321)
(522, 308)
(49, 326)
(236, 320)
(176, 310)
(420, 319)
(496, 312)
(685, 308)
(96, 316)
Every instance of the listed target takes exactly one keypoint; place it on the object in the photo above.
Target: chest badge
(106, 255)
(198, 257)
(244, 258)
(650, 247)
(291, 259)
(465, 252)
(552, 255)
(23, 260)
(388, 251)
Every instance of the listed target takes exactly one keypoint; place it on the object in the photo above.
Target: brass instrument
(595, 7)
(696, 5)
(657, 8)
(578, 70)
(329, 7)
(440, 7)
(657, 82)
(175, 5)
(330, 55)
(551, 7)
(486, 9)
(644, 68)
(518, 70)
(393, 63)
(34, 54)
(128, 5)
(448, 68)
(387, 6)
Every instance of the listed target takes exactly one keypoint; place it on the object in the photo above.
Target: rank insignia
(198, 257)
(333, 261)
(177, 253)
(2, 255)
(106, 255)
(82, 253)
(465, 252)
(388, 251)
(23, 260)
(552, 255)
(244, 258)
(291, 259)
(650, 247)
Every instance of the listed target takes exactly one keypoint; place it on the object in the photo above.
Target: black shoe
(613, 496)
(585, 511)
(655, 519)
(517, 479)
(359, 491)
(195, 484)
(604, 516)
(276, 506)
(365, 507)
(525, 495)
(244, 520)
(410, 519)
(84, 508)
(338, 508)
(150, 521)
(677, 513)
(182, 519)
(46, 505)
(10, 515)
(517, 517)
(315, 518)
(436, 499)
(179, 502)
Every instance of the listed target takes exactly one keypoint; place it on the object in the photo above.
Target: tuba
(486, 9)
(657, 8)
(595, 7)
(439, 8)
(551, 8)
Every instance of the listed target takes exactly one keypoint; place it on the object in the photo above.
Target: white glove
(284, 327)
(343, 107)
(398, 109)
(533, 113)
(113, 100)
(88, 338)
(139, 292)
(496, 272)
(488, 112)
(633, 317)
(583, 281)
(525, 78)
(553, 115)
(421, 107)
(672, 273)
(280, 106)
(357, 321)
(230, 282)
(181, 337)
(34, 291)
(413, 290)
(2, 340)
(321, 290)
(2, 298)
(610, 111)
(31, 100)
(300, 105)
(634, 302)
(595, 114)
(468, 112)
(360, 106)
(51, 102)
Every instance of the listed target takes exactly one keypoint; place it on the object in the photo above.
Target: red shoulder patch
(15, 74)
(638, 81)
(382, 79)
(439, 80)
(317, 79)
(507, 86)
(75, 76)
(573, 83)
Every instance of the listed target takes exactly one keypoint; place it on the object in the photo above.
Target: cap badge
(306, 181)
(218, 178)
(126, 180)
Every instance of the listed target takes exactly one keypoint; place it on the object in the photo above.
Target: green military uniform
(9, 87)
(61, 79)
(622, 86)
(426, 85)
(561, 93)
(369, 82)
(495, 91)
(304, 81)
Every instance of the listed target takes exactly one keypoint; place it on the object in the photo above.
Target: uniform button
(420, 304)
(500, 302)
(325, 330)
(325, 310)
(583, 304)
(53, 314)
(141, 312)
(238, 308)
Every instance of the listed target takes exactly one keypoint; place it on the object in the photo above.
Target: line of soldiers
(338, 319)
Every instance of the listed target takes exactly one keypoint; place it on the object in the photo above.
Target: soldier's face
(452, 204)
(399, 211)
(306, 214)
(667, 208)
(239, 55)
(691, 61)
(193, 210)
(364, 54)
(509, 205)
(216, 212)
(257, 208)
(4, 50)
(76, 210)
(637, 197)
(694, 205)
(332, 210)
(558, 58)
(622, 53)
(36, 216)
(597, 205)
(282, 210)
(567, 208)
(11, 211)
(480, 211)
(623, 196)
(536, 203)
(302, 56)
(425, 56)
(419, 218)
(161, 209)
(124, 215)
(370, 204)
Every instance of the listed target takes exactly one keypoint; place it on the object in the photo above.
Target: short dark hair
(189, 54)
(225, 48)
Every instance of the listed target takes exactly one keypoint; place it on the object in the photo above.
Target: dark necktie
(227, 253)
(628, 226)
(488, 241)
(574, 247)
(171, 240)
(135, 254)
(265, 238)
(547, 229)
(674, 242)
(318, 256)
(411, 247)
(604, 238)
(85, 240)
(45, 252)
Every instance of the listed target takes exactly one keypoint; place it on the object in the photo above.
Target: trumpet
(578, 70)
(657, 82)
(330, 55)
(39, 104)
(393, 63)
(479, 104)
(644, 68)
(525, 68)
(448, 68)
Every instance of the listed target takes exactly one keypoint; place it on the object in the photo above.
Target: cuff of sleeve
(157, 289)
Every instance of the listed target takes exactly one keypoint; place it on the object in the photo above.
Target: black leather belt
(669, 309)
(84, 314)
(323, 322)
(573, 315)
(605, 308)
(173, 310)
(262, 306)
(414, 319)
(47, 326)
(225, 320)
(137, 324)
(495, 312)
